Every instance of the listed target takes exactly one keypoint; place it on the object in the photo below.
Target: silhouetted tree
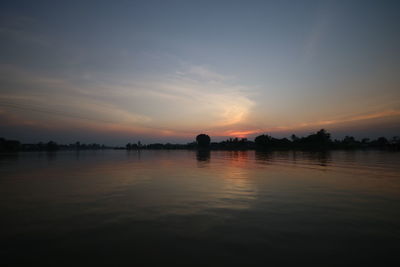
(263, 141)
(381, 142)
(394, 144)
(365, 141)
(349, 142)
(267, 142)
(12, 145)
(203, 140)
(9, 145)
(319, 140)
(2, 144)
(51, 146)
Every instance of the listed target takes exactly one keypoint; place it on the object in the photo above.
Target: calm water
(282, 208)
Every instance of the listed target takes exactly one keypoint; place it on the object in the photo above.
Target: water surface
(186, 207)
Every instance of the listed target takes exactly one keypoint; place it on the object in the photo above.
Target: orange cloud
(240, 134)
(377, 115)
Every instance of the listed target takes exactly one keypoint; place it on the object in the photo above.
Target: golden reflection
(238, 190)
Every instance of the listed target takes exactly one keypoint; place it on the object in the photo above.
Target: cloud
(168, 105)
(333, 123)
(206, 98)
(204, 73)
(178, 104)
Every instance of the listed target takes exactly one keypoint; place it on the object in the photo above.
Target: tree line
(15, 145)
(320, 140)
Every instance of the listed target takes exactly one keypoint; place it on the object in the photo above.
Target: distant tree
(349, 142)
(9, 145)
(382, 142)
(349, 139)
(52, 146)
(268, 142)
(203, 140)
(263, 141)
(128, 146)
(2, 143)
(395, 140)
(365, 141)
(395, 143)
(319, 140)
(323, 136)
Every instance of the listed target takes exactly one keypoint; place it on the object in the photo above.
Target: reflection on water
(322, 158)
(218, 207)
(203, 157)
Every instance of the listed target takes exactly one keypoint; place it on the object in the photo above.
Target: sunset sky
(165, 71)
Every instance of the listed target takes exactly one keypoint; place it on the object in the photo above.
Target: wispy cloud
(315, 125)
(319, 29)
(177, 104)
(204, 73)
(189, 101)
(206, 98)
(353, 118)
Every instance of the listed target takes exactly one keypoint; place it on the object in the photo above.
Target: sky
(114, 72)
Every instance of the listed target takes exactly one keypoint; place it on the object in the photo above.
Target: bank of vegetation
(320, 140)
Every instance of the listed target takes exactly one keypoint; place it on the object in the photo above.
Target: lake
(185, 207)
